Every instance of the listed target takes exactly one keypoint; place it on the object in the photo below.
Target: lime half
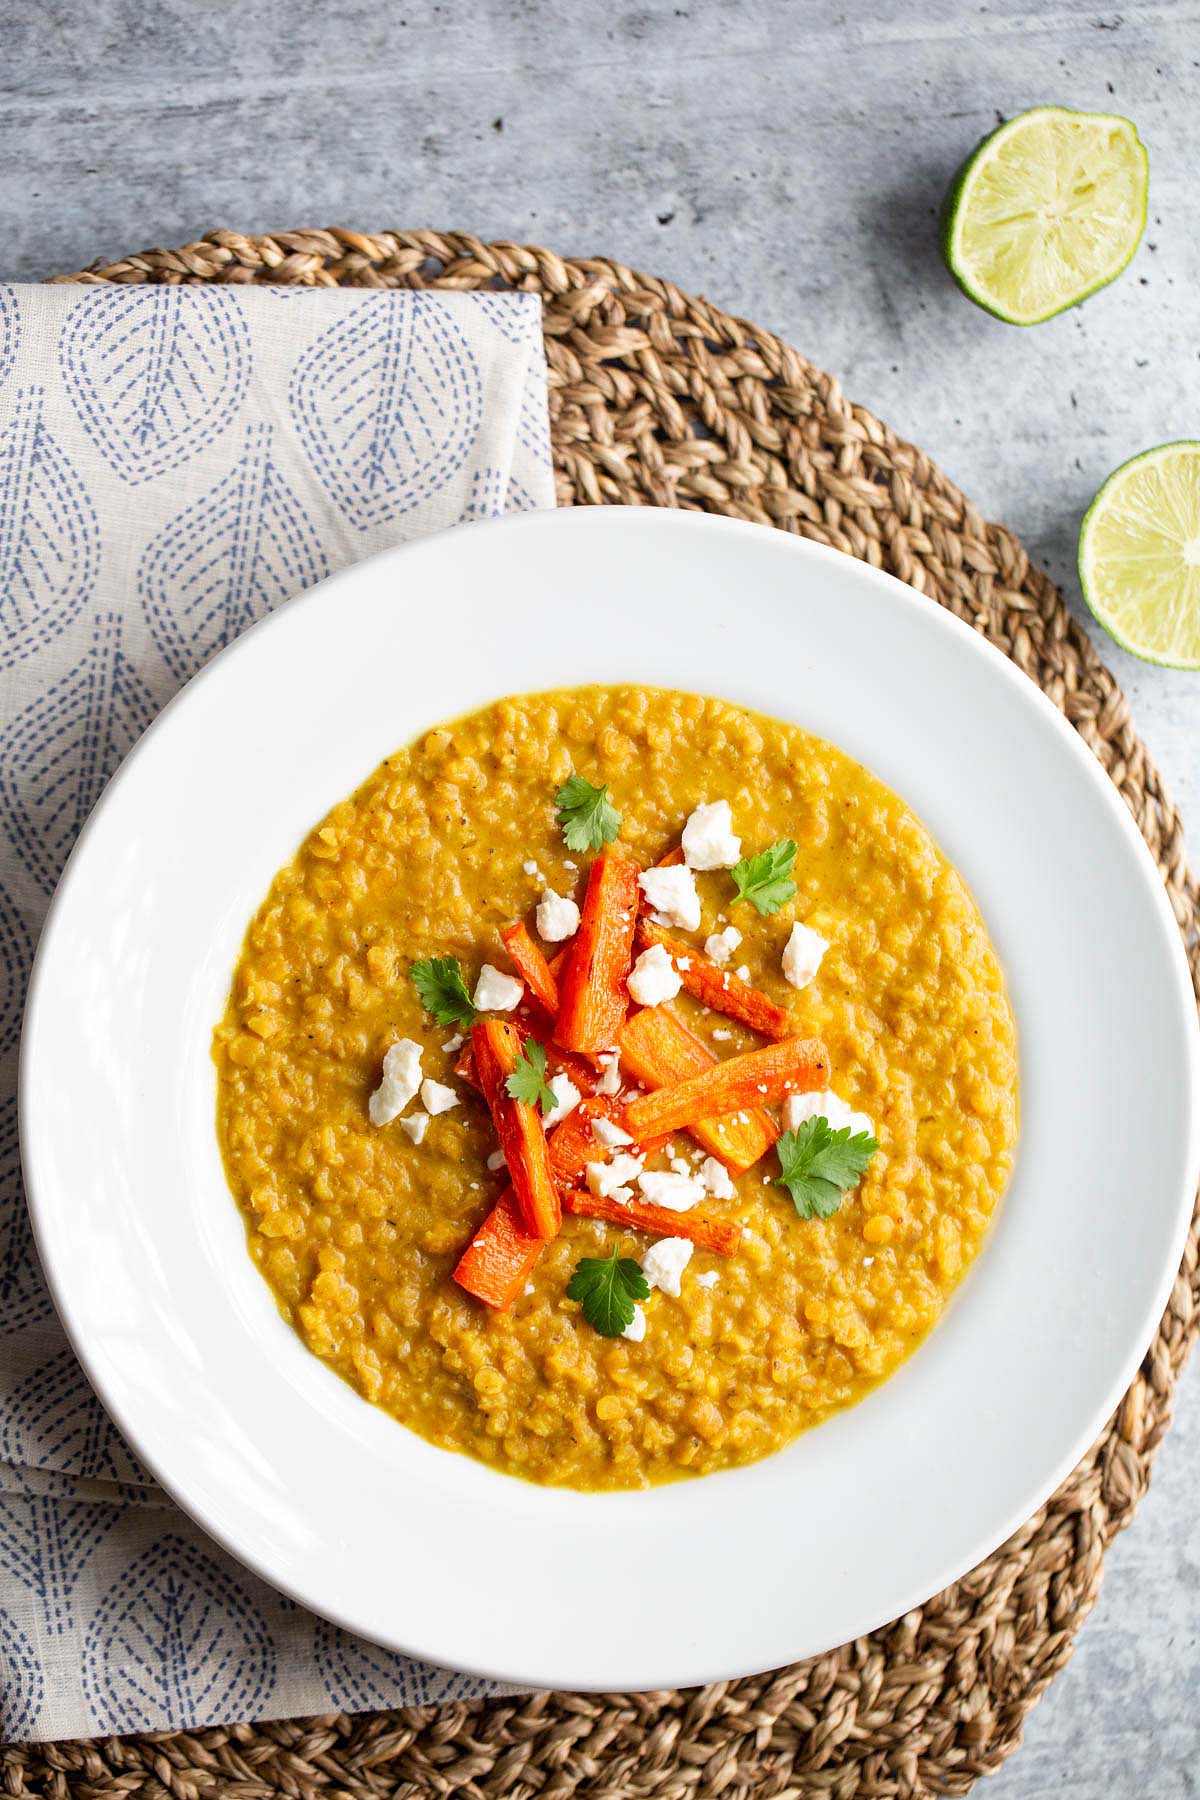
(1139, 555)
(1044, 211)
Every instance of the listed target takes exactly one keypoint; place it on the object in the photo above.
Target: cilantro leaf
(818, 1164)
(607, 1287)
(439, 982)
(766, 879)
(588, 818)
(528, 1079)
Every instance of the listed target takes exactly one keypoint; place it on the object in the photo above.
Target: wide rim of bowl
(692, 1672)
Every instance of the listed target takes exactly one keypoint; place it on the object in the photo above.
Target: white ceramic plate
(428, 1552)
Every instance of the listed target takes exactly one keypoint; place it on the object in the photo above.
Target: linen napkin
(174, 463)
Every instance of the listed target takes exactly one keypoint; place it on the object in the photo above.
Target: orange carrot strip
(658, 1050)
(797, 1066)
(538, 1024)
(503, 1253)
(719, 988)
(719, 1235)
(501, 1256)
(497, 1045)
(592, 1000)
(574, 1144)
(531, 966)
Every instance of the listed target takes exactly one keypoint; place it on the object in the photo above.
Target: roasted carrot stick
(531, 966)
(719, 1235)
(797, 1066)
(658, 1050)
(503, 1253)
(536, 1023)
(718, 988)
(501, 1256)
(592, 1000)
(497, 1045)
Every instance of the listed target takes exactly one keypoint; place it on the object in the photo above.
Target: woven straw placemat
(658, 398)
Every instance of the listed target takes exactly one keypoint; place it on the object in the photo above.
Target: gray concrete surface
(788, 160)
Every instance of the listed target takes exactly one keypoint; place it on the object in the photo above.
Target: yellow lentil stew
(358, 1227)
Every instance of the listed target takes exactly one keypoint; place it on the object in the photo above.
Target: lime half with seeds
(1139, 555)
(1044, 211)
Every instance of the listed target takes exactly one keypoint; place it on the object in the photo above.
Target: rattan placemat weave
(658, 398)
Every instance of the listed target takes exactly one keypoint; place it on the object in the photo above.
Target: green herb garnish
(818, 1164)
(528, 1079)
(439, 981)
(607, 1287)
(588, 818)
(766, 879)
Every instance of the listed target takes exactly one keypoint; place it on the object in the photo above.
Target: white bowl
(426, 1551)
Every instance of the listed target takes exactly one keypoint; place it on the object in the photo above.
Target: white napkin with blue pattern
(174, 462)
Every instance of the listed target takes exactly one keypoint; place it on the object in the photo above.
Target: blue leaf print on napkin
(49, 538)
(154, 373)
(175, 1642)
(10, 329)
(487, 495)
(229, 558)
(24, 1299)
(16, 955)
(512, 316)
(44, 1544)
(55, 1422)
(533, 420)
(364, 1677)
(57, 755)
(387, 404)
(22, 1682)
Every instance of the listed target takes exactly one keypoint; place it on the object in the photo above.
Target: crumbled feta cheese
(557, 917)
(529, 1287)
(415, 1126)
(672, 894)
(683, 962)
(497, 1160)
(635, 1331)
(802, 955)
(722, 1037)
(566, 1096)
(530, 867)
(610, 1135)
(867, 1261)
(708, 840)
(610, 1080)
(824, 1104)
(665, 1261)
(453, 1044)
(437, 1098)
(497, 992)
(667, 1187)
(743, 973)
(709, 1279)
(401, 1079)
(653, 977)
(568, 864)
(716, 1179)
(604, 1178)
(681, 1165)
